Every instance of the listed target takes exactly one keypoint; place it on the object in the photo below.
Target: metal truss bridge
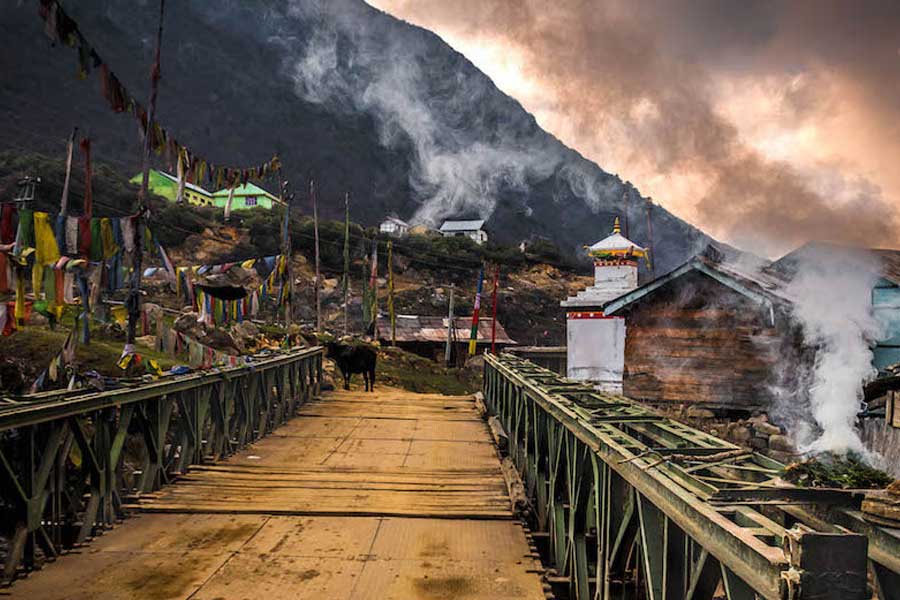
(629, 501)
(248, 482)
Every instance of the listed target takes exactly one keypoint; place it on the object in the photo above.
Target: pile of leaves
(849, 471)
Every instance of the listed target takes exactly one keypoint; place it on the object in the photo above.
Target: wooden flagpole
(312, 193)
(473, 336)
(391, 315)
(134, 294)
(449, 349)
(494, 310)
(286, 252)
(346, 289)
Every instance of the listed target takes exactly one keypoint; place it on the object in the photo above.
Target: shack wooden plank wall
(697, 341)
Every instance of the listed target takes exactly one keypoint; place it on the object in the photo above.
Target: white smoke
(453, 172)
(832, 294)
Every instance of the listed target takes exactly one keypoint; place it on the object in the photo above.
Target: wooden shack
(707, 334)
(427, 335)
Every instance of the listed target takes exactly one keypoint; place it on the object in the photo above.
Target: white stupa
(615, 270)
(595, 343)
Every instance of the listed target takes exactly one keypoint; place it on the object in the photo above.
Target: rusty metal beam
(655, 522)
(61, 457)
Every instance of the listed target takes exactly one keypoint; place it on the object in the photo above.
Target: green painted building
(165, 185)
(247, 197)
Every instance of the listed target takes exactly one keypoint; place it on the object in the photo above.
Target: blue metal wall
(886, 304)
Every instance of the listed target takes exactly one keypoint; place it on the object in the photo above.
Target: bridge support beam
(62, 454)
(630, 500)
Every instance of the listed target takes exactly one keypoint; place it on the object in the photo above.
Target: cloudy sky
(765, 123)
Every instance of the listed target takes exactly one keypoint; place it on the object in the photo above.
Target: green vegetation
(836, 471)
(413, 373)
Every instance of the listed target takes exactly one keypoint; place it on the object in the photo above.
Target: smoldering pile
(832, 470)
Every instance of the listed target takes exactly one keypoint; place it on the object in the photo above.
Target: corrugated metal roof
(742, 272)
(187, 184)
(788, 265)
(248, 189)
(414, 328)
(462, 225)
(396, 221)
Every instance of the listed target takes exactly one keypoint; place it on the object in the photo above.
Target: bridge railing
(628, 499)
(70, 461)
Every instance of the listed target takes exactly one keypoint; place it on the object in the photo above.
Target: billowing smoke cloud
(765, 123)
(833, 305)
(350, 67)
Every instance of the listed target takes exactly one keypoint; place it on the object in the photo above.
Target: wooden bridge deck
(363, 496)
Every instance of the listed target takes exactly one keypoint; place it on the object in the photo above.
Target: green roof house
(247, 197)
(165, 185)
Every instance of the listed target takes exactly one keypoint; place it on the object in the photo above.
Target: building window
(251, 201)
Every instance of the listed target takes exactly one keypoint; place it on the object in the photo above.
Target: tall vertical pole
(373, 286)
(70, 148)
(650, 236)
(473, 336)
(134, 294)
(312, 193)
(494, 310)
(391, 315)
(346, 259)
(449, 349)
(286, 252)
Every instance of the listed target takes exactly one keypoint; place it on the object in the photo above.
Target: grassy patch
(416, 374)
(36, 346)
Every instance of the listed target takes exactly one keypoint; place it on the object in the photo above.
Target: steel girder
(63, 476)
(628, 498)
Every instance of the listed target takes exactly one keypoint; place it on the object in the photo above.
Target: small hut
(427, 336)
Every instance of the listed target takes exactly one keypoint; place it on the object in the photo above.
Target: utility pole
(449, 349)
(134, 294)
(346, 259)
(312, 193)
(391, 315)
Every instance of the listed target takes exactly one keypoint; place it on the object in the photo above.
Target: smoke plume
(766, 124)
(832, 300)
(349, 66)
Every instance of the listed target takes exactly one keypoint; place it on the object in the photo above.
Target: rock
(766, 428)
(696, 412)
(13, 375)
(245, 332)
(154, 311)
(112, 330)
(740, 434)
(38, 319)
(476, 363)
(782, 457)
(148, 341)
(214, 337)
(781, 443)
(758, 443)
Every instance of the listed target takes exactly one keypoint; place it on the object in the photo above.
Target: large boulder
(187, 324)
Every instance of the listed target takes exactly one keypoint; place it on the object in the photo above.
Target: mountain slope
(346, 94)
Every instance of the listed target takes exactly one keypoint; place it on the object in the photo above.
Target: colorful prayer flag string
(62, 29)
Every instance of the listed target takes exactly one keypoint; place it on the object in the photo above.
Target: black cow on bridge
(354, 358)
